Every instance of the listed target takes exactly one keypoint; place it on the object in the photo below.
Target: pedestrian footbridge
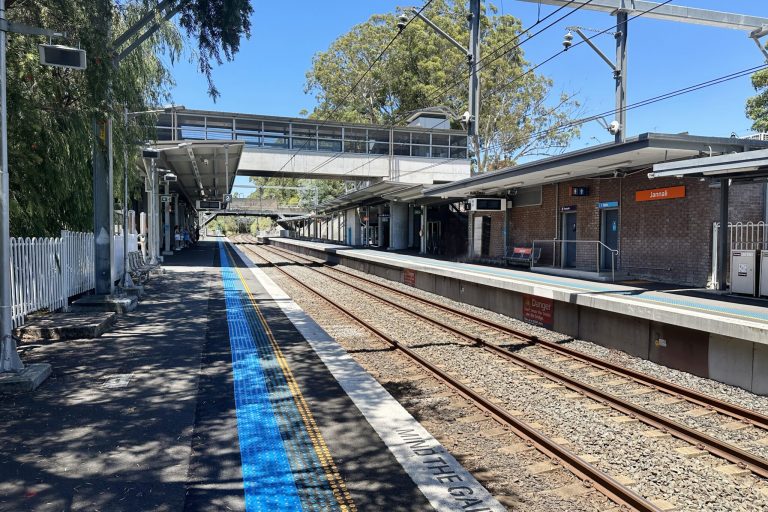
(255, 208)
(206, 150)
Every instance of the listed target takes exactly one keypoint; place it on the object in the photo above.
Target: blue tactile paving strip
(281, 470)
(636, 294)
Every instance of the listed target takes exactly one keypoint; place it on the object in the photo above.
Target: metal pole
(126, 276)
(176, 220)
(167, 222)
(621, 75)
(474, 78)
(9, 357)
(154, 217)
(722, 236)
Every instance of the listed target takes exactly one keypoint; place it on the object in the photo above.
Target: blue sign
(608, 204)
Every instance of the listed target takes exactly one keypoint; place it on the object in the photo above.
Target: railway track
(700, 399)
(558, 454)
(703, 441)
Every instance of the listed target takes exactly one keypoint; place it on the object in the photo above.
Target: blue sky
(267, 76)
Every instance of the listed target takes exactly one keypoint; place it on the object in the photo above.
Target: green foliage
(757, 106)
(289, 193)
(230, 225)
(51, 110)
(421, 69)
(218, 26)
(262, 224)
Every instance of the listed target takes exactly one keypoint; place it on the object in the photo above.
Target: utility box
(764, 273)
(744, 272)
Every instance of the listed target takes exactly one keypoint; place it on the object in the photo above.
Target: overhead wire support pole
(620, 73)
(9, 357)
(103, 171)
(474, 75)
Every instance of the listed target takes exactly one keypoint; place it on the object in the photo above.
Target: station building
(592, 213)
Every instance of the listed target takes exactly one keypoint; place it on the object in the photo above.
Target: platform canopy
(637, 153)
(749, 166)
(205, 169)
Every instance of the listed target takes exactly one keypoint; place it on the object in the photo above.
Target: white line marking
(440, 477)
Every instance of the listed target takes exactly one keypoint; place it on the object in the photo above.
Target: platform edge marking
(337, 483)
(395, 426)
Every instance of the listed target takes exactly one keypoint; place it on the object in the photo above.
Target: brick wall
(496, 249)
(667, 240)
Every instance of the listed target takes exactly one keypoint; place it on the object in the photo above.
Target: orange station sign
(658, 194)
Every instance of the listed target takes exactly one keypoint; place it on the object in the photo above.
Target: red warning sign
(538, 311)
(409, 277)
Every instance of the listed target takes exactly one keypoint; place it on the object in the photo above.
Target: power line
(495, 51)
(354, 86)
(638, 104)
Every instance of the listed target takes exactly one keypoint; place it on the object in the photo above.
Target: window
(530, 196)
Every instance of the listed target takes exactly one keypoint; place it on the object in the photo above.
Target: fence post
(715, 238)
(65, 270)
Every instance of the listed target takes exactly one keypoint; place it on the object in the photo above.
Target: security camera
(614, 127)
(170, 177)
(465, 119)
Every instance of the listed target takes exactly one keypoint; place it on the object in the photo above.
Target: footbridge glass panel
(305, 135)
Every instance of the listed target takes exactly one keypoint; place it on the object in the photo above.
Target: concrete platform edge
(735, 328)
(387, 417)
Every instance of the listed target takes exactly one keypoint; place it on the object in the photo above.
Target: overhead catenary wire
(632, 106)
(357, 83)
(492, 58)
(493, 52)
(530, 70)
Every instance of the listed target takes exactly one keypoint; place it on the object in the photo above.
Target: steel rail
(590, 475)
(754, 463)
(755, 418)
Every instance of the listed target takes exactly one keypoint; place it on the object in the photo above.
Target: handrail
(598, 244)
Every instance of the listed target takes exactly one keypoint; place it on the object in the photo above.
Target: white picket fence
(46, 272)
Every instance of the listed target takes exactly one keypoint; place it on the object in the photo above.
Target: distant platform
(699, 333)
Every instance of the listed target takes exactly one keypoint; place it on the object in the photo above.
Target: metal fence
(742, 236)
(46, 272)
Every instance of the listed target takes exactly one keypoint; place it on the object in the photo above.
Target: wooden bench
(524, 256)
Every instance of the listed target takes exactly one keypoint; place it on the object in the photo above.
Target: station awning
(641, 152)
(748, 166)
(380, 191)
(205, 169)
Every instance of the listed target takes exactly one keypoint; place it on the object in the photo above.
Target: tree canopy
(757, 106)
(520, 115)
(50, 110)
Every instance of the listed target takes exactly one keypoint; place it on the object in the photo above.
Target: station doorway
(609, 235)
(569, 233)
(482, 236)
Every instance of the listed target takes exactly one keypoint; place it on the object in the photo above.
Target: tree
(262, 224)
(50, 109)
(295, 191)
(757, 106)
(519, 114)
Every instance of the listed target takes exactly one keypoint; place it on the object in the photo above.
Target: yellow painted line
(337, 484)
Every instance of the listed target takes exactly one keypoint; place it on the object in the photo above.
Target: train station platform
(218, 393)
(710, 337)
